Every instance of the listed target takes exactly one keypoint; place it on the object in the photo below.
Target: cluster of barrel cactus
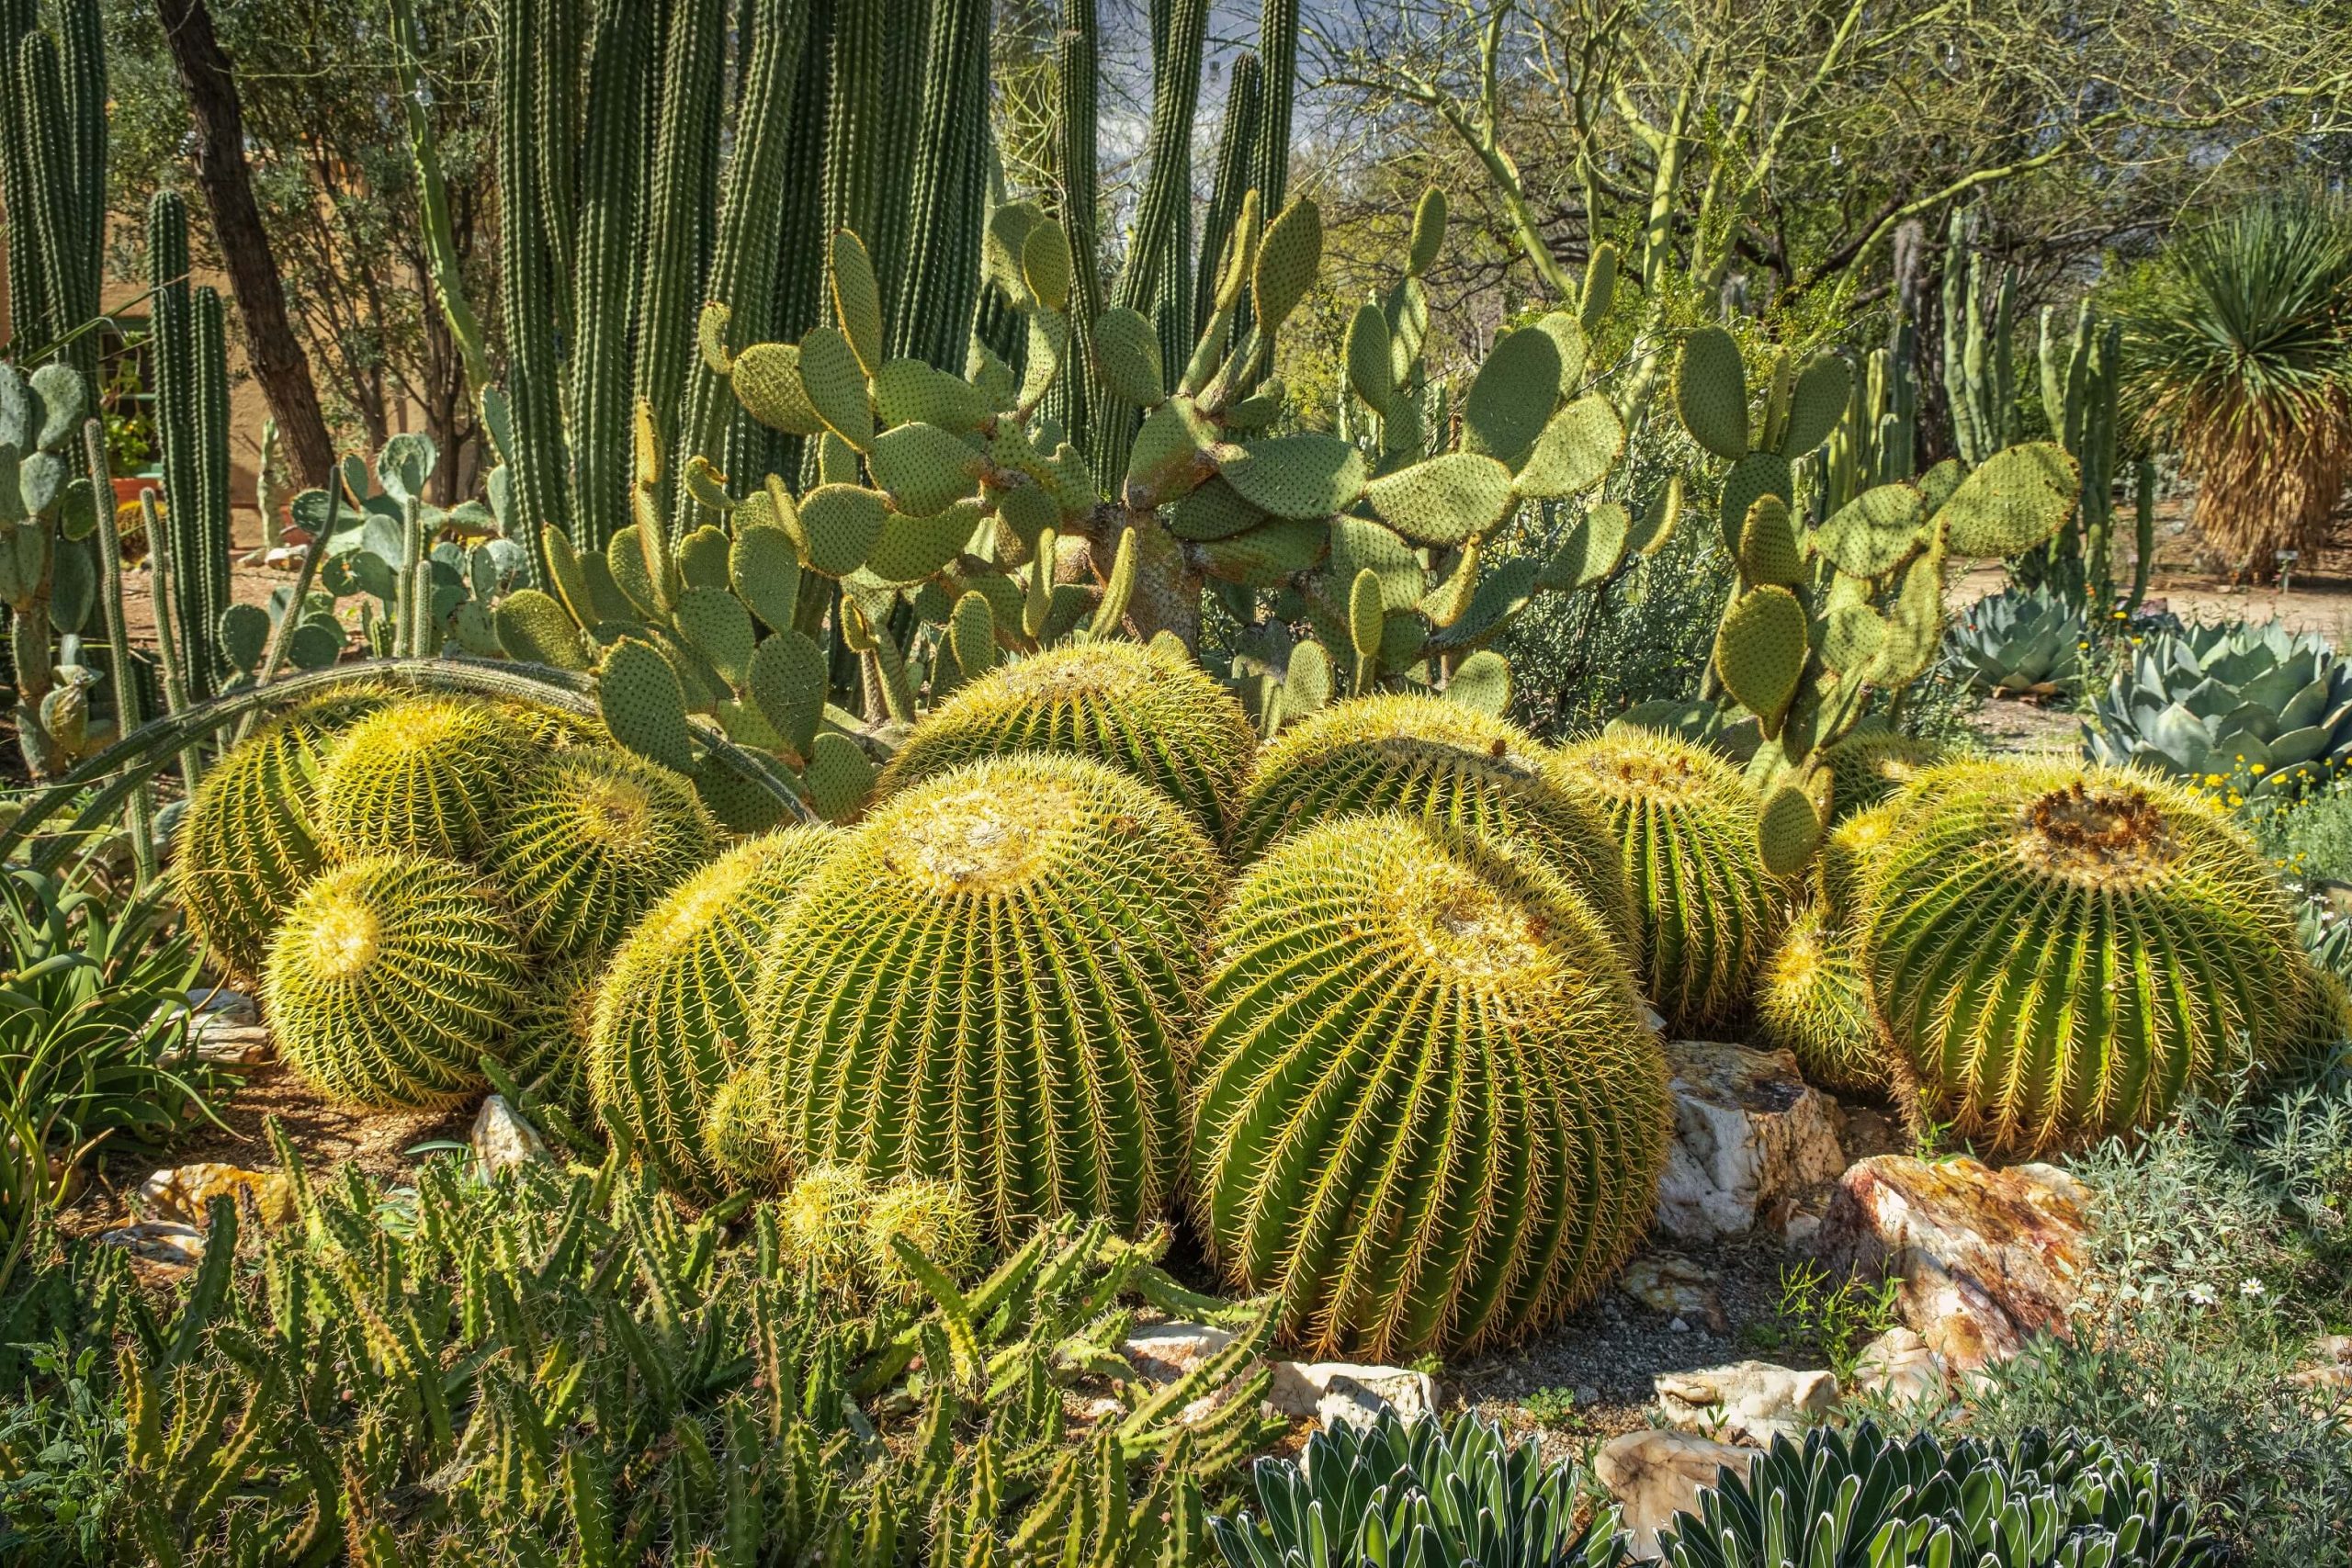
(2037, 956)
(405, 877)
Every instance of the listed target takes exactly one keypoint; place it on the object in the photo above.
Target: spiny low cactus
(1448, 763)
(1428, 1113)
(390, 981)
(1687, 824)
(990, 982)
(548, 1045)
(589, 840)
(246, 848)
(1872, 764)
(674, 1017)
(1145, 711)
(1811, 1003)
(425, 775)
(821, 1223)
(1850, 855)
(2060, 954)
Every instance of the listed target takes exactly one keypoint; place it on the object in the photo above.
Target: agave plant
(2257, 705)
(2243, 363)
(1847, 1499)
(1415, 1492)
(2019, 643)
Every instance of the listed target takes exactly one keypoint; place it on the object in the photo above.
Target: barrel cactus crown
(1811, 1003)
(2258, 706)
(389, 979)
(1852, 853)
(989, 983)
(1428, 756)
(2059, 954)
(1428, 1113)
(673, 1015)
(425, 775)
(1147, 712)
(590, 839)
(247, 847)
(1687, 825)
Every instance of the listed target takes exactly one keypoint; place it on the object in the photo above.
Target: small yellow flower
(2255, 769)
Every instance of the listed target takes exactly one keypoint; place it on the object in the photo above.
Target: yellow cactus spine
(1449, 764)
(990, 982)
(1428, 1113)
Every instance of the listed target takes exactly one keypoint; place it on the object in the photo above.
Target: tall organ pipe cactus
(53, 177)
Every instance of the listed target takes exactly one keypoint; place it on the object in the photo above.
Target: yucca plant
(673, 1019)
(2061, 953)
(391, 979)
(1810, 1002)
(1418, 1493)
(1688, 825)
(1145, 710)
(2243, 363)
(588, 841)
(247, 846)
(1451, 764)
(1857, 1499)
(1427, 1110)
(991, 982)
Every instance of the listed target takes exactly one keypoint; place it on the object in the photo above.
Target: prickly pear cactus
(1828, 611)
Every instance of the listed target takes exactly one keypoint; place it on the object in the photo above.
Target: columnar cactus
(1429, 1113)
(991, 982)
(1449, 765)
(2060, 954)
(588, 841)
(391, 979)
(1148, 712)
(1687, 826)
(247, 847)
(673, 1016)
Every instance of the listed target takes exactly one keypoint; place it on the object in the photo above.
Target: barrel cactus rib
(589, 841)
(422, 776)
(2060, 955)
(1687, 824)
(1428, 1113)
(1149, 713)
(389, 979)
(990, 982)
(1425, 756)
(673, 1016)
(247, 847)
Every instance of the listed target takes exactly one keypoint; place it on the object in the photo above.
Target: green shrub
(2218, 1249)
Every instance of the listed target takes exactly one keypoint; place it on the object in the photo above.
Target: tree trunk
(276, 357)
